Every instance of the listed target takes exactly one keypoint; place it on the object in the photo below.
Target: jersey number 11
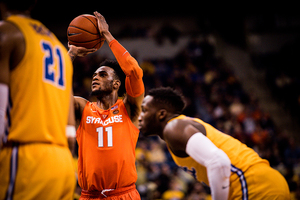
(108, 130)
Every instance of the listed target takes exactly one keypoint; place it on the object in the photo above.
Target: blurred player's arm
(134, 83)
(12, 45)
(4, 79)
(186, 140)
(70, 129)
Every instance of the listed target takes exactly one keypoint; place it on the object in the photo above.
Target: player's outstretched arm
(183, 138)
(134, 84)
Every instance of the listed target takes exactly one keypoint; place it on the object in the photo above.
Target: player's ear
(116, 84)
(162, 114)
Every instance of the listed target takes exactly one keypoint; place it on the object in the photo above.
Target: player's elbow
(220, 161)
(218, 173)
(135, 69)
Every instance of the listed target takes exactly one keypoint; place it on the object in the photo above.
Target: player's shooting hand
(103, 27)
(75, 51)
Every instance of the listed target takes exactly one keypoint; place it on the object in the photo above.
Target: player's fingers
(92, 50)
(99, 16)
(71, 46)
(83, 51)
(96, 14)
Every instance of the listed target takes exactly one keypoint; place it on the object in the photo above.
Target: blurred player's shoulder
(9, 30)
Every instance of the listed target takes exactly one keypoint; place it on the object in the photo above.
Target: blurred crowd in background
(212, 93)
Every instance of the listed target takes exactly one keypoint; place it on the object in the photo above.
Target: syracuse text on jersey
(98, 120)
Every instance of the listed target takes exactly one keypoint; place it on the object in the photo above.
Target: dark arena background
(237, 65)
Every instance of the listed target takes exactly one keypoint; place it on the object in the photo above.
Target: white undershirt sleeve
(71, 131)
(216, 161)
(3, 107)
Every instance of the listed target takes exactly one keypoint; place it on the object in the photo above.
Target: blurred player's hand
(75, 51)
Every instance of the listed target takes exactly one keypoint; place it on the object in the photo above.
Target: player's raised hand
(102, 24)
(103, 27)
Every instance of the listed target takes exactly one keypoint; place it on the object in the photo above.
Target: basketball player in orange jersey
(229, 167)
(35, 91)
(108, 133)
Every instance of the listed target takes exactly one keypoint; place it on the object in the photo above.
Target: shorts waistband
(107, 192)
(10, 144)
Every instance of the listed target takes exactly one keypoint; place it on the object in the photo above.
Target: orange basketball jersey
(107, 141)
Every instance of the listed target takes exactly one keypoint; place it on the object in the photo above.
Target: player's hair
(168, 98)
(18, 5)
(119, 74)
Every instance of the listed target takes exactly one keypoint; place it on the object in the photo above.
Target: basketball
(83, 31)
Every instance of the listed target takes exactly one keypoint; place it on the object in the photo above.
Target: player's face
(102, 82)
(147, 118)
